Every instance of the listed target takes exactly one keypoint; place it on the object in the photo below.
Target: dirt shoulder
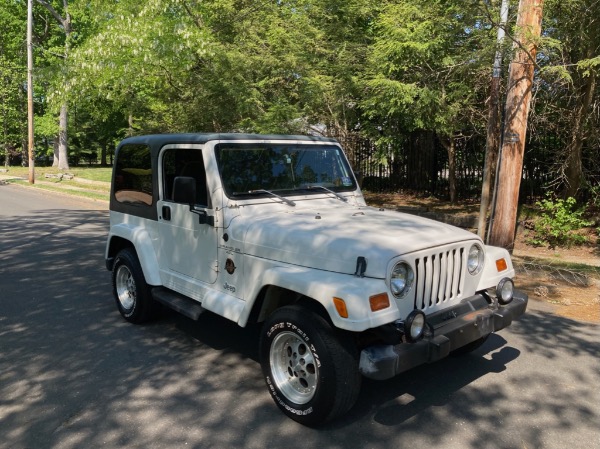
(565, 281)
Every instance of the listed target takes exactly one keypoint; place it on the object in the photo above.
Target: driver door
(188, 248)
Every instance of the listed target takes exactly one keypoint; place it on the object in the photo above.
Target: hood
(332, 240)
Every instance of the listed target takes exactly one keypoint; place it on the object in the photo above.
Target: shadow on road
(74, 374)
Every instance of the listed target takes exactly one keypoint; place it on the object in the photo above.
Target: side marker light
(340, 306)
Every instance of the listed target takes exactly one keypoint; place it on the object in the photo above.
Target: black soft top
(157, 141)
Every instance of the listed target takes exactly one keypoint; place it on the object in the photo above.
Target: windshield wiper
(338, 196)
(253, 192)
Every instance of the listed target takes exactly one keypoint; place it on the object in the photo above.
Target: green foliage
(424, 68)
(378, 70)
(588, 66)
(594, 200)
(559, 223)
(12, 78)
(564, 116)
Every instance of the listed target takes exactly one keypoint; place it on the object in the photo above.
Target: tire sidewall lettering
(287, 334)
(285, 404)
(286, 326)
(298, 331)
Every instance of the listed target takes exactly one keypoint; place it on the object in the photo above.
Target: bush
(594, 203)
(559, 223)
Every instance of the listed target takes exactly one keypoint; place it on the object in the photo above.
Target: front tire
(310, 370)
(130, 290)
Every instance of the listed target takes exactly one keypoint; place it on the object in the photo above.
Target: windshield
(253, 169)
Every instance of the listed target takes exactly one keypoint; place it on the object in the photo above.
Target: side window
(185, 162)
(133, 175)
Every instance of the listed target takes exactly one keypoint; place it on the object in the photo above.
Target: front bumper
(464, 323)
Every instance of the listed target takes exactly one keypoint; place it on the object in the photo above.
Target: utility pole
(520, 84)
(30, 91)
(493, 128)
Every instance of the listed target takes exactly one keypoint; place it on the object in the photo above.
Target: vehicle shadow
(74, 374)
(431, 385)
(444, 392)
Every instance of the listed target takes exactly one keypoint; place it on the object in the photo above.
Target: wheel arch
(273, 297)
(139, 239)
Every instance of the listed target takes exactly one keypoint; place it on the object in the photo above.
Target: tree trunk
(5, 132)
(573, 167)
(493, 128)
(63, 158)
(103, 151)
(450, 146)
(65, 22)
(55, 148)
(30, 130)
(491, 156)
(504, 217)
(24, 155)
(130, 123)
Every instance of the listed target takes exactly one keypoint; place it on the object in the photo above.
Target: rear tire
(130, 290)
(311, 371)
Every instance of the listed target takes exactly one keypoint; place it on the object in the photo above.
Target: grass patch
(91, 173)
(57, 187)
(73, 184)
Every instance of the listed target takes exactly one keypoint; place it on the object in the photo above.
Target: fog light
(505, 291)
(414, 326)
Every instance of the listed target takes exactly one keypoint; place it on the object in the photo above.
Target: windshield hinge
(361, 266)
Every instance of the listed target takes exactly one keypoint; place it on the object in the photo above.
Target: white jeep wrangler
(275, 230)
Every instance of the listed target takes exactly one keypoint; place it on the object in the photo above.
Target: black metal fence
(421, 165)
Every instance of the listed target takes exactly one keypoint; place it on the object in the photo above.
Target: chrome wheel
(293, 367)
(125, 287)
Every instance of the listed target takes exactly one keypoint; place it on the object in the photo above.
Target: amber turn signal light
(501, 265)
(340, 306)
(379, 301)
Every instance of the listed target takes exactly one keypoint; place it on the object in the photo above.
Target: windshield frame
(288, 169)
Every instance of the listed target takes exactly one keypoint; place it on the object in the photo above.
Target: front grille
(439, 278)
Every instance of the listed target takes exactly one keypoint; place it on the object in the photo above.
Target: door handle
(166, 213)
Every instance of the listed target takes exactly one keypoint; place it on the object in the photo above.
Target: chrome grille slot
(439, 278)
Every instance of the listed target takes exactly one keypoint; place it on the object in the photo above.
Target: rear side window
(133, 175)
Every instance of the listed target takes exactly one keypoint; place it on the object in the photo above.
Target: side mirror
(203, 217)
(184, 190)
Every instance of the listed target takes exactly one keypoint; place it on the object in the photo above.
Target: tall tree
(576, 25)
(425, 72)
(520, 82)
(61, 160)
(493, 125)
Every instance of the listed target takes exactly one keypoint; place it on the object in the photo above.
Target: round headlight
(505, 291)
(402, 279)
(475, 259)
(414, 326)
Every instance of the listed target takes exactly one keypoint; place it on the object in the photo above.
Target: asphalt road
(74, 374)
